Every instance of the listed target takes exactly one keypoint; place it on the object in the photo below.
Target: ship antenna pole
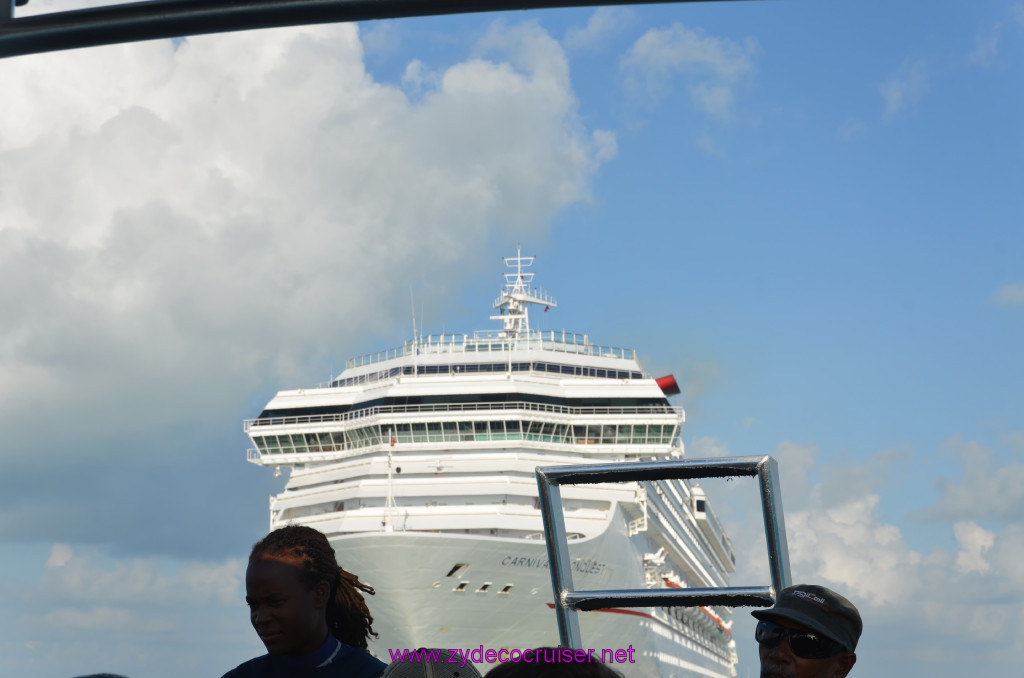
(415, 336)
(389, 502)
(515, 298)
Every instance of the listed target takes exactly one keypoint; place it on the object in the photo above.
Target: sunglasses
(804, 644)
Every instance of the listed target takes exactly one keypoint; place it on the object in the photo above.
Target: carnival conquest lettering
(579, 565)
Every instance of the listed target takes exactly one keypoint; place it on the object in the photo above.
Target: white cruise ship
(418, 463)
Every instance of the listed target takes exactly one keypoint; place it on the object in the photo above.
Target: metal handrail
(460, 368)
(568, 600)
(549, 340)
(459, 407)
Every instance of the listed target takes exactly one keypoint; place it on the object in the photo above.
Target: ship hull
(475, 593)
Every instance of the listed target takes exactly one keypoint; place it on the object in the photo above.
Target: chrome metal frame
(568, 601)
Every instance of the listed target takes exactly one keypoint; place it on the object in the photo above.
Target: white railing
(433, 369)
(492, 341)
(646, 410)
(528, 442)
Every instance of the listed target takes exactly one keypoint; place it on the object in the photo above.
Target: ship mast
(387, 524)
(516, 296)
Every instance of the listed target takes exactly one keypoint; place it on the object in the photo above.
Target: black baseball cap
(819, 609)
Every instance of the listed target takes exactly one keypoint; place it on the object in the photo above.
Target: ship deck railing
(564, 410)
(493, 341)
(440, 369)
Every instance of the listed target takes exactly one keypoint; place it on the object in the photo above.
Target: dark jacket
(352, 663)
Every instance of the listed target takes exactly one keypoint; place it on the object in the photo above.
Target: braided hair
(348, 618)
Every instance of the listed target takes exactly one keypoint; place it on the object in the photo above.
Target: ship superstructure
(418, 463)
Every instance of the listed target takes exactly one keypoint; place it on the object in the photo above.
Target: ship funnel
(668, 385)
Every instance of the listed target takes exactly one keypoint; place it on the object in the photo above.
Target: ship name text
(580, 565)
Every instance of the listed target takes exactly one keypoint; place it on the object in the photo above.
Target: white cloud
(530, 49)
(92, 578)
(1013, 440)
(839, 536)
(604, 23)
(706, 447)
(418, 76)
(848, 546)
(182, 231)
(88, 610)
(906, 87)
(97, 618)
(973, 541)
(986, 46)
(178, 226)
(1007, 554)
(380, 37)
(1011, 295)
(60, 555)
(987, 488)
(796, 462)
(712, 66)
(607, 145)
(1017, 9)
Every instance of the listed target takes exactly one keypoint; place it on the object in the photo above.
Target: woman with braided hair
(308, 611)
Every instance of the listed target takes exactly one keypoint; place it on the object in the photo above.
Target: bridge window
(434, 432)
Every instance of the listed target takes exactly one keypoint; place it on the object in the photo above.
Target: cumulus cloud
(183, 225)
(90, 610)
(60, 555)
(606, 145)
(973, 542)
(1010, 295)
(1013, 440)
(796, 463)
(96, 618)
(418, 76)
(603, 24)
(847, 544)
(986, 46)
(706, 447)
(158, 212)
(712, 66)
(90, 577)
(906, 87)
(987, 488)
(840, 535)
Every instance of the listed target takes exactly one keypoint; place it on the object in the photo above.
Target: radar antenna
(514, 299)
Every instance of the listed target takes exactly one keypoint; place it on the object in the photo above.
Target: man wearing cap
(811, 632)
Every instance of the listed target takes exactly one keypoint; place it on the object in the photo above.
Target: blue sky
(811, 213)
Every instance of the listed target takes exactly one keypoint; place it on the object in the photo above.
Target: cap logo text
(809, 596)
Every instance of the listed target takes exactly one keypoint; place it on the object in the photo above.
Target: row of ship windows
(696, 630)
(467, 431)
(551, 368)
